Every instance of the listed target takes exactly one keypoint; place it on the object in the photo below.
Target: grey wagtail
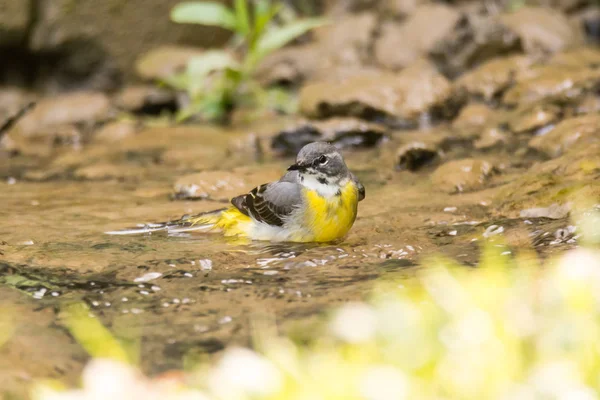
(315, 201)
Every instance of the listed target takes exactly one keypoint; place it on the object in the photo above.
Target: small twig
(11, 121)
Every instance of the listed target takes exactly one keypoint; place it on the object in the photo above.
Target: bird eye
(322, 160)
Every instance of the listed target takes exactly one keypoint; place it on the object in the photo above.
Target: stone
(12, 99)
(214, 185)
(75, 108)
(14, 21)
(491, 137)
(341, 132)
(105, 171)
(401, 8)
(399, 45)
(477, 38)
(402, 97)
(471, 119)
(543, 30)
(579, 57)
(554, 211)
(164, 61)
(462, 175)
(494, 76)
(290, 65)
(415, 155)
(347, 39)
(115, 132)
(551, 81)
(146, 99)
(578, 131)
(530, 118)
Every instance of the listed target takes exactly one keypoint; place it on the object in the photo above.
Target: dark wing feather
(269, 203)
(361, 188)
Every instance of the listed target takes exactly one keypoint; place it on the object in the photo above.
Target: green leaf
(280, 36)
(264, 15)
(200, 67)
(204, 13)
(242, 17)
(92, 335)
(210, 61)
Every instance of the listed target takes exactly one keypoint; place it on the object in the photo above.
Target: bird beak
(297, 167)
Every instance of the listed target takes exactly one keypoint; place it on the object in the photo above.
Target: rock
(290, 65)
(491, 137)
(461, 175)
(573, 176)
(477, 38)
(222, 185)
(104, 171)
(347, 40)
(471, 119)
(13, 99)
(111, 34)
(493, 77)
(401, 8)
(114, 132)
(342, 132)
(542, 30)
(588, 104)
(551, 81)
(146, 99)
(554, 211)
(14, 21)
(415, 155)
(162, 62)
(582, 130)
(214, 185)
(85, 108)
(530, 118)
(577, 58)
(401, 98)
(399, 46)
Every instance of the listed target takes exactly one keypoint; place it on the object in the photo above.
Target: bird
(316, 200)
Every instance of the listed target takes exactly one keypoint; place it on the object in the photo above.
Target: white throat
(327, 188)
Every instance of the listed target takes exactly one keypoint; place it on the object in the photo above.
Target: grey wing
(270, 203)
(361, 188)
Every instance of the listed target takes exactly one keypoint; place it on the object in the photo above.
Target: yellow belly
(323, 220)
(330, 218)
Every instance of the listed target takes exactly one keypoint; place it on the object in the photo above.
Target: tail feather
(187, 223)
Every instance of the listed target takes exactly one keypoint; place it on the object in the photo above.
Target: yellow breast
(330, 218)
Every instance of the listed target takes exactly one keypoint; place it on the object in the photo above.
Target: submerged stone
(415, 155)
(462, 175)
(531, 117)
(494, 76)
(569, 133)
(552, 81)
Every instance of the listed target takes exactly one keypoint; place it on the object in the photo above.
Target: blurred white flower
(384, 382)
(555, 380)
(108, 379)
(579, 265)
(242, 371)
(354, 323)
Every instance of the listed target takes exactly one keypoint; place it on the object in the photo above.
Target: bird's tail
(199, 222)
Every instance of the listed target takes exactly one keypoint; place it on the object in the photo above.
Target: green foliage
(219, 80)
